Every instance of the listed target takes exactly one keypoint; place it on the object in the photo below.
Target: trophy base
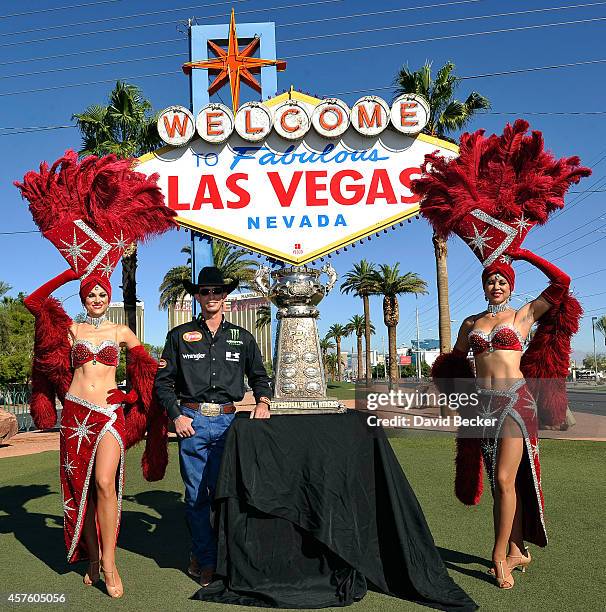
(307, 406)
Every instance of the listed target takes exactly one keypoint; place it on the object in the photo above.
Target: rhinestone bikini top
(107, 353)
(502, 338)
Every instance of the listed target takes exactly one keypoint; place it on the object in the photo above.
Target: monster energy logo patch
(234, 336)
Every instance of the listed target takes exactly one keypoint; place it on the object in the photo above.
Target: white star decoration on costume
(485, 410)
(81, 431)
(530, 406)
(75, 250)
(120, 243)
(522, 223)
(505, 259)
(480, 241)
(535, 449)
(68, 466)
(104, 246)
(106, 268)
(66, 507)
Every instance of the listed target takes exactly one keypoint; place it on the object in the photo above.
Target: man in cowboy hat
(200, 376)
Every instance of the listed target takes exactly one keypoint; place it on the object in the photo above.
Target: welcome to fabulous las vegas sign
(295, 177)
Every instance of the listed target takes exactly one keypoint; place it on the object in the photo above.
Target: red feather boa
(146, 415)
(545, 362)
(51, 370)
(447, 371)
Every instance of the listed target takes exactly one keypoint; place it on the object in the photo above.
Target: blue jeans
(199, 460)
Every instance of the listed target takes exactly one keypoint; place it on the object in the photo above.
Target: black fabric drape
(310, 509)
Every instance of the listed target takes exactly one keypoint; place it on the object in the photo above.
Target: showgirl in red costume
(491, 196)
(91, 211)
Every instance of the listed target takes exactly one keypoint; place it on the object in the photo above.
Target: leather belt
(210, 409)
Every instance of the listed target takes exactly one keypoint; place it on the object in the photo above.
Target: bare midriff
(91, 382)
(498, 369)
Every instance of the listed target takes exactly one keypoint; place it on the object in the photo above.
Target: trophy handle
(261, 280)
(332, 276)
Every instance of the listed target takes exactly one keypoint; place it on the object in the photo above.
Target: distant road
(587, 401)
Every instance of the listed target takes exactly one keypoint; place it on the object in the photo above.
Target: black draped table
(313, 510)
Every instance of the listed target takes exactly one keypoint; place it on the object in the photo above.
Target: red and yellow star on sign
(234, 65)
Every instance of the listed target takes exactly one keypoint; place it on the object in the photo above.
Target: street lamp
(595, 358)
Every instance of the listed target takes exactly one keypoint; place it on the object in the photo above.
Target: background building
(115, 314)
(240, 309)
(429, 344)
(429, 350)
(376, 358)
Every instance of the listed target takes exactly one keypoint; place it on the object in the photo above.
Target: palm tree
(171, 288)
(359, 281)
(338, 331)
(4, 288)
(229, 259)
(447, 115)
(390, 283)
(326, 345)
(263, 317)
(127, 128)
(356, 325)
(600, 325)
(331, 365)
(233, 262)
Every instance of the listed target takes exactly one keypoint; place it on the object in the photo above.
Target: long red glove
(115, 396)
(33, 302)
(559, 280)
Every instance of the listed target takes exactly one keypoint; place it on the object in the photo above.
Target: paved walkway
(31, 442)
(588, 427)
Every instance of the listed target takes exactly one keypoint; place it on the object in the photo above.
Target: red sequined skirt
(83, 425)
(517, 403)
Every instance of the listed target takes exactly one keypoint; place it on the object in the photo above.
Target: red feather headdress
(495, 191)
(509, 178)
(93, 209)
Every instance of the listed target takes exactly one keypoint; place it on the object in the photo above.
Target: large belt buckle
(210, 410)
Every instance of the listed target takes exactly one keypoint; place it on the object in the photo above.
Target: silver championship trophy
(300, 383)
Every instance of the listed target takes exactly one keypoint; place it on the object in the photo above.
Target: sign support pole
(204, 248)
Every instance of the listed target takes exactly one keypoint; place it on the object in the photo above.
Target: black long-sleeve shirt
(199, 367)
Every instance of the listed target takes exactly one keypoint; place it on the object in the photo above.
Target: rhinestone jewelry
(96, 321)
(494, 308)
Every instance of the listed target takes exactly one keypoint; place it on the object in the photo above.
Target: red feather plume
(106, 193)
(505, 176)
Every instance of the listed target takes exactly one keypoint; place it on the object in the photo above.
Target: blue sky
(566, 104)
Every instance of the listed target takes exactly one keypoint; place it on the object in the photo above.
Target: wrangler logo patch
(192, 336)
(229, 356)
(194, 356)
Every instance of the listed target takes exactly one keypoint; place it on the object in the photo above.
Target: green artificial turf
(341, 390)
(153, 544)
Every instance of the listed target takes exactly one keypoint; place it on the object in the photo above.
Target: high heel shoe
(114, 590)
(92, 577)
(504, 582)
(520, 561)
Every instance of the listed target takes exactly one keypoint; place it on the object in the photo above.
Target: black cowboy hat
(210, 277)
